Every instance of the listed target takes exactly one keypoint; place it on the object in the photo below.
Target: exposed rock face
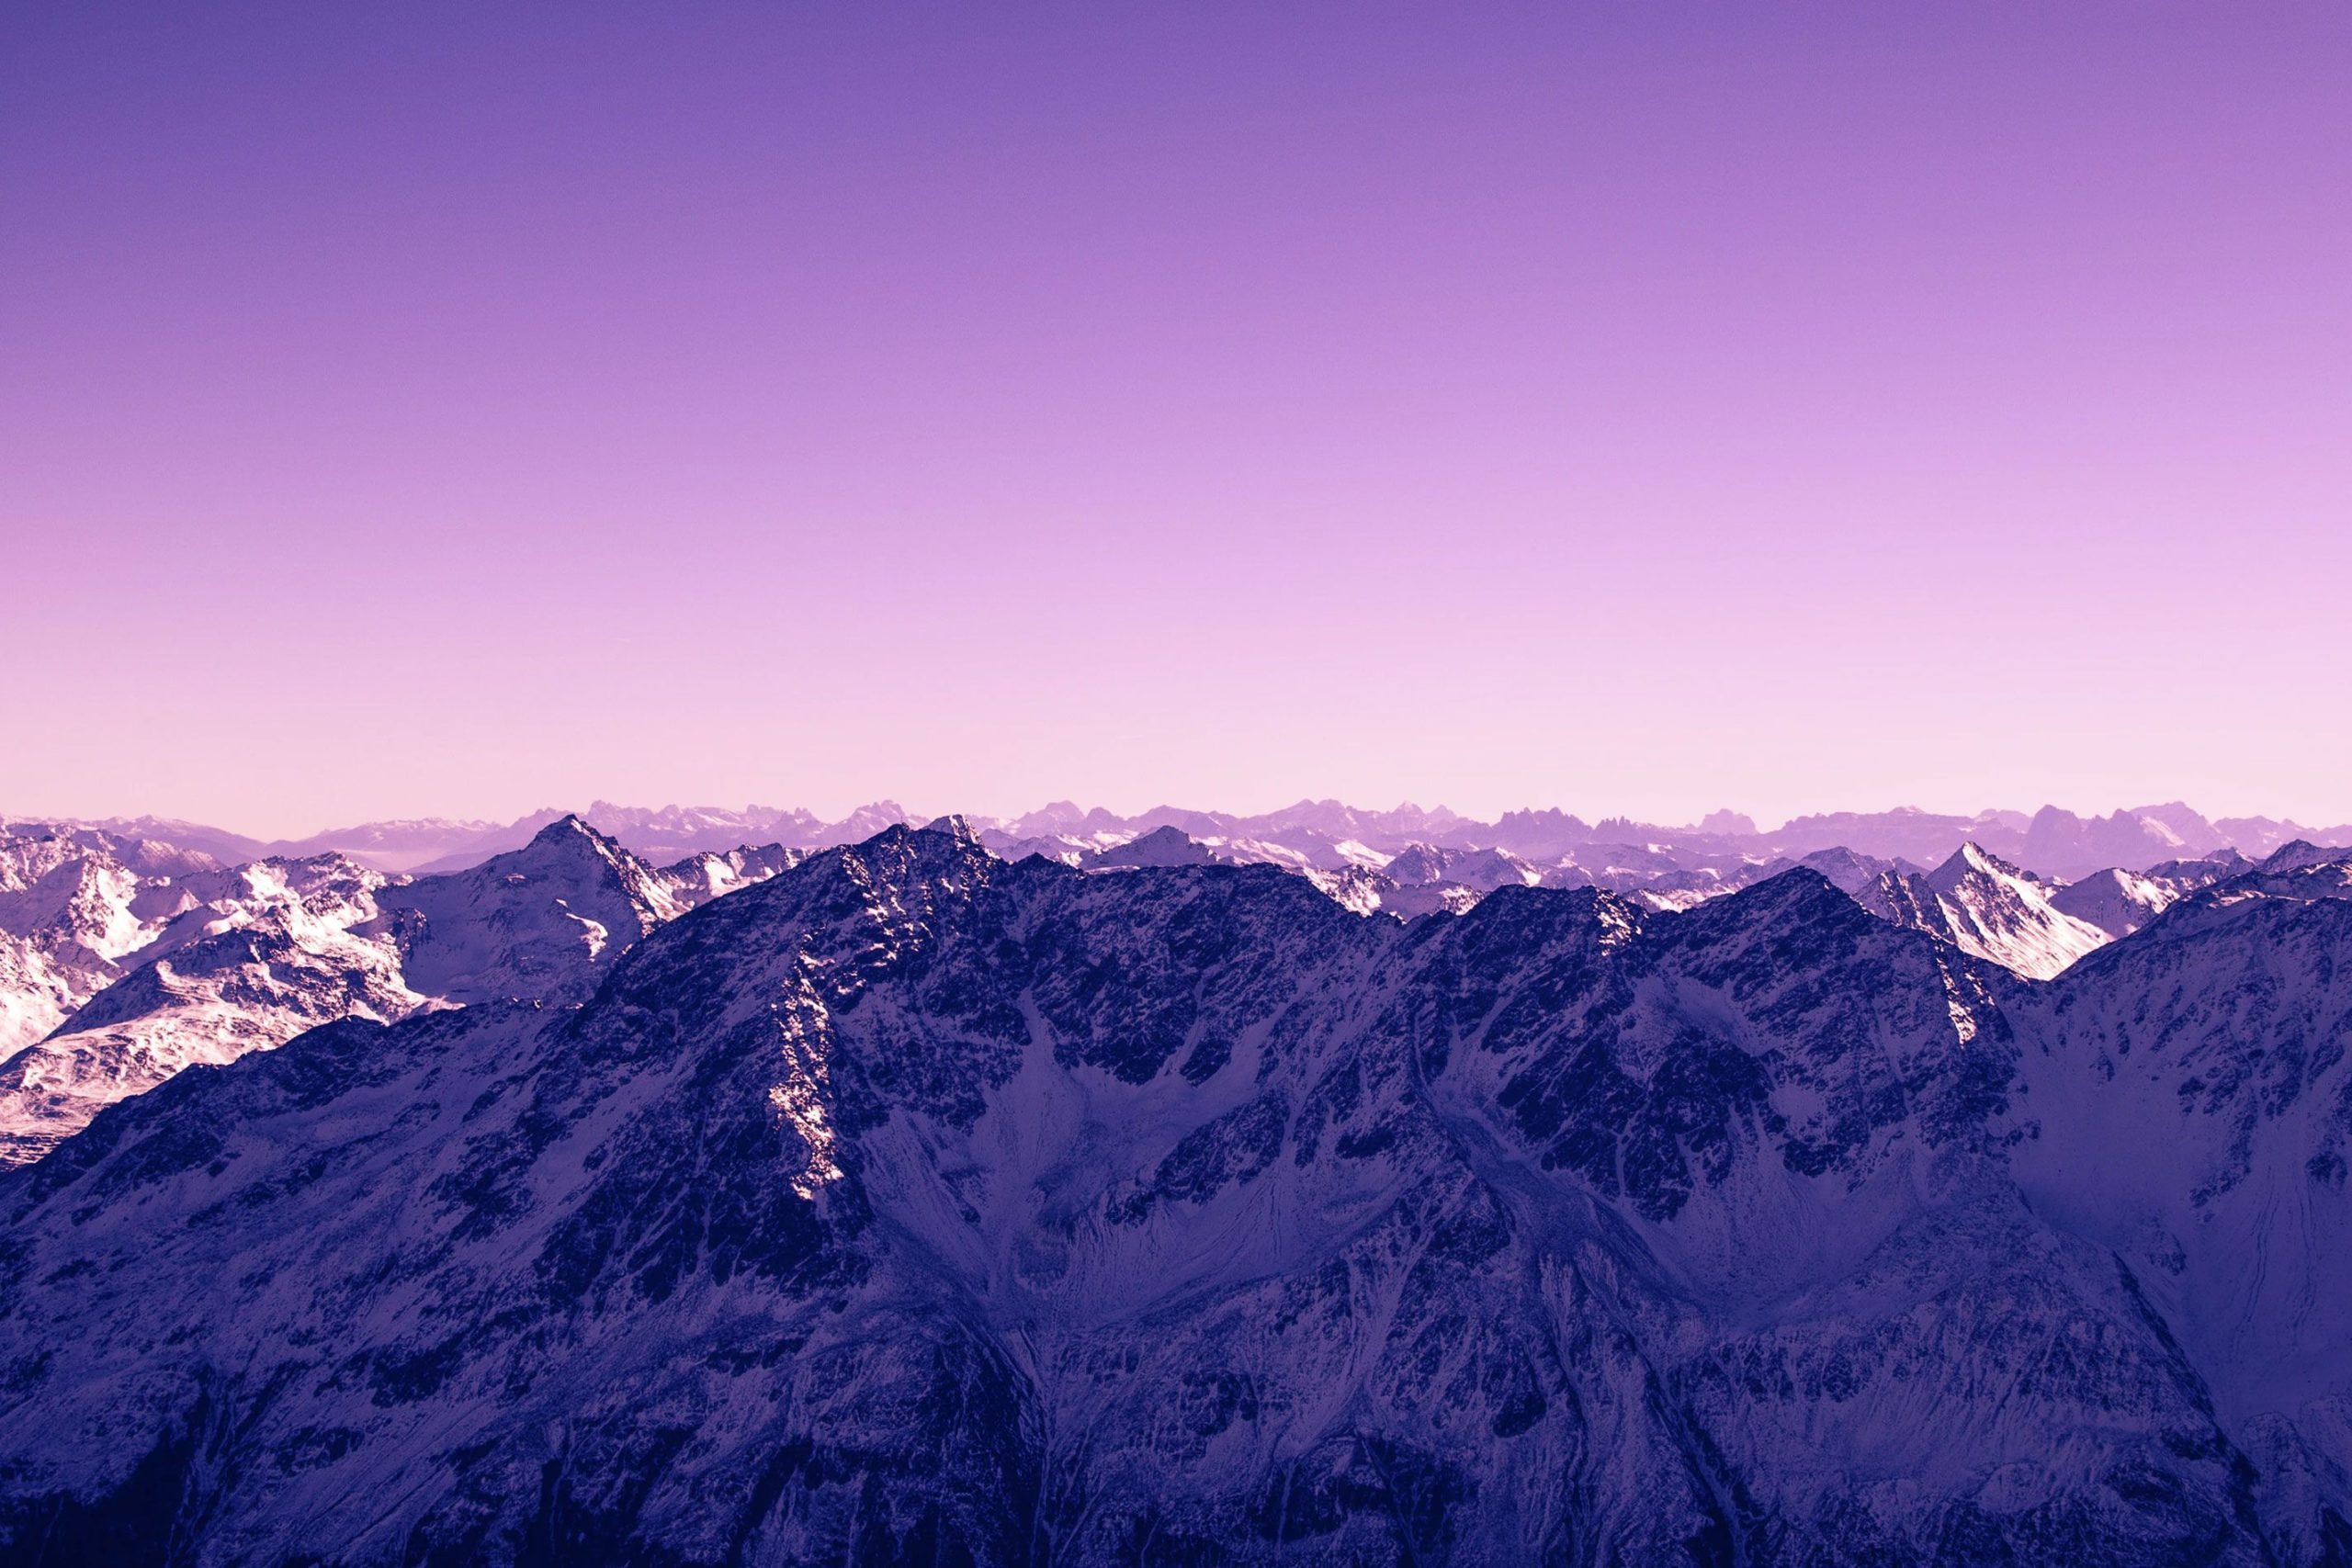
(911, 1206)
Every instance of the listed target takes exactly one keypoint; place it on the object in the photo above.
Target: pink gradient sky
(457, 409)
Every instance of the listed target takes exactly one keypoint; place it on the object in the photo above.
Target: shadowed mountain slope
(913, 1206)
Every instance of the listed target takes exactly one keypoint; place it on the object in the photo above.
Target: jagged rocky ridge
(914, 1206)
(281, 945)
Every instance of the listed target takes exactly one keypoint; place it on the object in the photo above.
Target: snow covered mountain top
(76, 904)
(30, 851)
(110, 985)
(79, 906)
(2118, 902)
(2302, 856)
(2295, 874)
(2033, 925)
(542, 920)
(134, 979)
(533, 923)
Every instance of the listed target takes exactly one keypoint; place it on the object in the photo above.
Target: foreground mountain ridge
(913, 1205)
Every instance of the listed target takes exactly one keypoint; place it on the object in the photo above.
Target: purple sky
(453, 410)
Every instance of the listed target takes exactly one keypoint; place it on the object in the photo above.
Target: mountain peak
(568, 827)
(1163, 846)
(955, 825)
(538, 922)
(1972, 856)
(2300, 855)
(1801, 894)
(1992, 910)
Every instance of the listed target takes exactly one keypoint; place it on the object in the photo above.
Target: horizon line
(1758, 826)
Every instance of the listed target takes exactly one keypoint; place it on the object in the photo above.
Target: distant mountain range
(1324, 835)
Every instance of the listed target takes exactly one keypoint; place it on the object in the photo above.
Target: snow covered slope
(268, 953)
(2119, 902)
(206, 969)
(911, 1207)
(706, 874)
(537, 923)
(1990, 910)
(74, 905)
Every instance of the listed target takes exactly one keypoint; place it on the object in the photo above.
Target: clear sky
(454, 409)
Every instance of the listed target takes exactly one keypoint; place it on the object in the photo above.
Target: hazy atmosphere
(1221, 405)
